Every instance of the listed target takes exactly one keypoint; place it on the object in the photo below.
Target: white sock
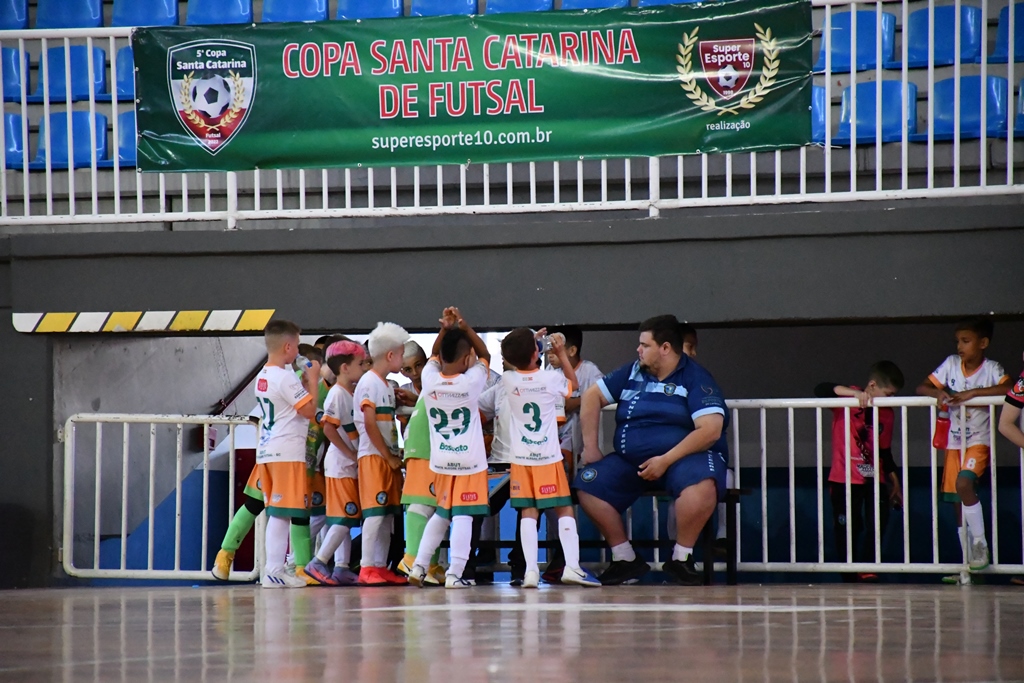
(570, 540)
(316, 523)
(623, 552)
(961, 534)
(424, 511)
(336, 535)
(343, 555)
(721, 507)
(372, 530)
(277, 543)
(975, 520)
(681, 552)
(384, 541)
(528, 532)
(433, 534)
(461, 541)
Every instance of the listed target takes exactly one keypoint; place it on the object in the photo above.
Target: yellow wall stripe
(122, 321)
(254, 319)
(55, 322)
(92, 322)
(188, 320)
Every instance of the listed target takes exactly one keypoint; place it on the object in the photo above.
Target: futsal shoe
(867, 577)
(683, 572)
(435, 575)
(531, 580)
(393, 578)
(979, 555)
(553, 575)
(961, 579)
(405, 566)
(452, 581)
(579, 577)
(343, 576)
(300, 573)
(621, 572)
(222, 564)
(371, 576)
(417, 576)
(319, 571)
(1017, 581)
(279, 578)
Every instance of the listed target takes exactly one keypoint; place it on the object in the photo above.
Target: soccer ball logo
(728, 76)
(212, 96)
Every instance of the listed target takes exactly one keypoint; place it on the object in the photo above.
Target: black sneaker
(622, 572)
(516, 582)
(683, 572)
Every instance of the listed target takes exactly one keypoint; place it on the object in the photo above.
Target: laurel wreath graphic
(769, 72)
(238, 88)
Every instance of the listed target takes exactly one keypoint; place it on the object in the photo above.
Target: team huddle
(359, 479)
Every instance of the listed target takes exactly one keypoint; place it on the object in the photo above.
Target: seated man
(669, 435)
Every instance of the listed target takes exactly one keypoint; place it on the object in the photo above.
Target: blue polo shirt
(654, 415)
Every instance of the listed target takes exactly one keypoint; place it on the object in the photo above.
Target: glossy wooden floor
(635, 633)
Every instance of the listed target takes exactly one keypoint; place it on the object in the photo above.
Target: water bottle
(940, 439)
(301, 364)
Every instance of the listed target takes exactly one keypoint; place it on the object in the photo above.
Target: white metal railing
(862, 170)
(160, 466)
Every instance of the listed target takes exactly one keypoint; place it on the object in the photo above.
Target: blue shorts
(614, 479)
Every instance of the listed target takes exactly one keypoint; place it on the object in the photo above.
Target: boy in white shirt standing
(538, 476)
(453, 380)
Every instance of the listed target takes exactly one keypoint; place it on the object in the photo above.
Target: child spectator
(288, 406)
(451, 393)
(380, 482)
(538, 476)
(884, 379)
(340, 468)
(961, 377)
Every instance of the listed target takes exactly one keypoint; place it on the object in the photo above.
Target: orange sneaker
(393, 578)
(371, 576)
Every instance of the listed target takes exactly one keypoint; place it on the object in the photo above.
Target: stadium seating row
(862, 54)
(943, 117)
(84, 139)
(53, 14)
(16, 70)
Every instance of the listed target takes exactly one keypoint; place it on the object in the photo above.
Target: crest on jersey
(261, 385)
(212, 84)
(588, 475)
(725, 67)
(382, 498)
(670, 389)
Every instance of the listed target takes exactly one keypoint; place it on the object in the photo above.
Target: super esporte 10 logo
(726, 66)
(212, 84)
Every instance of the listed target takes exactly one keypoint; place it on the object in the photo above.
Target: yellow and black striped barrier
(235, 320)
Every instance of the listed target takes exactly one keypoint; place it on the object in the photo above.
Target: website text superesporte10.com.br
(471, 138)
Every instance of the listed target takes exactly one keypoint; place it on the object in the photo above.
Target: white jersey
(570, 435)
(532, 401)
(338, 411)
(404, 411)
(494, 406)
(279, 394)
(453, 411)
(375, 392)
(951, 374)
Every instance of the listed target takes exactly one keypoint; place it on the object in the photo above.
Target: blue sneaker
(579, 577)
(343, 576)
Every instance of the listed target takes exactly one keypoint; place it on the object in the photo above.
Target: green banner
(723, 76)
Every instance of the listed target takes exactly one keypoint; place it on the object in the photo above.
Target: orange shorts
(252, 487)
(284, 488)
(380, 487)
(463, 494)
(540, 486)
(974, 463)
(317, 493)
(343, 501)
(419, 483)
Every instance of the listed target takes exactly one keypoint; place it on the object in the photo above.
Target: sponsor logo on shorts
(276, 498)
(516, 487)
(382, 497)
(470, 497)
(318, 499)
(351, 509)
(588, 475)
(548, 489)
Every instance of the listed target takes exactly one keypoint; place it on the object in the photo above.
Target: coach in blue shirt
(669, 435)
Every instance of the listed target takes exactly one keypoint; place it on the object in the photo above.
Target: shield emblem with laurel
(212, 84)
(726, 66)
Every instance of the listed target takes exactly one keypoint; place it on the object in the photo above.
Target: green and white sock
(301, 546)
(238, 529)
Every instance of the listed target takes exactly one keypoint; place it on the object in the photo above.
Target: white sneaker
(580, 577)
(452, 581)
(531, 579)
(417, 575)
(979, 555)
(280, 578)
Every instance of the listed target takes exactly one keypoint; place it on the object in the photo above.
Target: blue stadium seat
(434, 8)
(13, 142)
(145, 13)
(69, 13)
(593, 4)
(1001, 52)
(819, 114)
(1018, 124)
(13, 73)
(506, 6)
(127, 143)
(204, 12)
(13, 14)
(125, 73)
(839, 41)
(80, 86)
(892, 103)
(916, 35)
(369, 9)
(82, 140)
(294, 10)
(970, 109)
